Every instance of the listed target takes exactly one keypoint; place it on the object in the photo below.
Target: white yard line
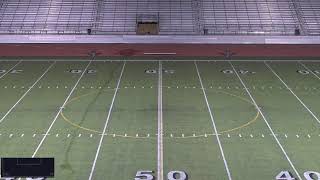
(60, 110)
(106, 123)
(267, 123)
(285, 84)
(160, 125)
(9, 111)
(10, 69)
(309, 69)
(213, 124)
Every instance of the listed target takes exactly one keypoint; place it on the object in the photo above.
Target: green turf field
(207, 120)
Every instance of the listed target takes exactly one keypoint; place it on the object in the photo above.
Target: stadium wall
(144, 47)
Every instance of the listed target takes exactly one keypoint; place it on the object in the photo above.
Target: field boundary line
(306, 67)
(213, 123)
(265, 120)
(31, 87)
(285, 84)
(60, 110)
(160, 124)
(10, 69)
(106, 123)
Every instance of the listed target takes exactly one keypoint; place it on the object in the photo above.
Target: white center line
(265, 120)
(292, 92)
(160, 125)
(213, 124)
(61, 108)
(9, 111)
(10, 69)
(106, 123)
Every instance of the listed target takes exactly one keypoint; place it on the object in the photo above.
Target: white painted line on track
(9, 111)
(302, 103)
(160, 125)
(265, 120)
(60, 109)
(213, 123)
(10, 69)
(106, 123)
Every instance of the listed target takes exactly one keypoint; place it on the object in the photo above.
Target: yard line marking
(292, 92)
(265, 120)
(213, 123)
(9, 111)
(306, 67)
(160, 126)
(106, 123)
(10, 69)
(60, 109)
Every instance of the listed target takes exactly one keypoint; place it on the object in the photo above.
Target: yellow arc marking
(99, 132)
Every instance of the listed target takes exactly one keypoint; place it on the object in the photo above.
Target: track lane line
(265, 120)
(160, 124)
(213, 123)
(285, 84)
(11, 69)
(309, 69)
(9, 111)
(60, 110)
(106, 123)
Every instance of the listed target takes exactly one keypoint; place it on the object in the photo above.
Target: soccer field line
(160, 126)
(285, 84)
(10, 69)
(213, 123)
(20, 99)
(60, 109)
(106, 123)
(265, 120)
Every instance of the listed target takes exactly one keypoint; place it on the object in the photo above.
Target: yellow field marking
(202, 135)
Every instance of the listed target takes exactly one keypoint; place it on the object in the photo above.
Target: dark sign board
(27, 167)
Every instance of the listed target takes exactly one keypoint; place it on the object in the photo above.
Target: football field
(164, 120)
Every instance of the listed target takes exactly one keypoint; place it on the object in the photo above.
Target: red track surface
(213, 50)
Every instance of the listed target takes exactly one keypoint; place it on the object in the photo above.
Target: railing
(181, 17)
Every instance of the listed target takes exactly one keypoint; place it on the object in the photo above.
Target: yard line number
(305, 72)
(14, 71)
(79, 71)
(172, 175)
(241, 71)
(308, 175)
(153, 71)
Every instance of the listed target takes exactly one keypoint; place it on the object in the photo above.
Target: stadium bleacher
(178, 17)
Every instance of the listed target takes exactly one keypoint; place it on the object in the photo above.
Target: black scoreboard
(27, 167)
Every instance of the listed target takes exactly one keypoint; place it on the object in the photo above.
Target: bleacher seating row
(198, 17)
